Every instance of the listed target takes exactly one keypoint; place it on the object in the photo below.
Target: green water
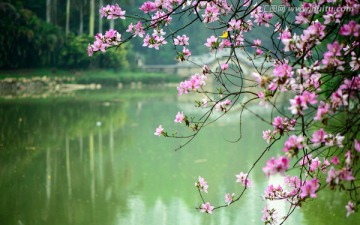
(91, 158)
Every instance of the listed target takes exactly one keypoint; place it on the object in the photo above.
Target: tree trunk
(67, 28)
(100, 18)
(48, 11)
(92, 17)
(81, 19)
(54, 14)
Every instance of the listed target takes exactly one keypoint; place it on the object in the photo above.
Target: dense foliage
(29, 42)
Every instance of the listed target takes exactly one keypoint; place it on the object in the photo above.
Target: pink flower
(318, 137)
(181, 40)
(242, 178)
(351, 28)
(137, 30)
(90, 50)
(148, 7)
(206, 207)
(212, 42)
(267, 136)
(314, 165)
(335, 160)
(257, 42)
(159, 131)
(350, 208)
(274, 166)
(322, 110)
(179, 117)
(223, 106)
(112, 12)
(348, 158)
(309, 188)
(202, 184)
(224, 66)
(357, 145)
(294, 143)
(229, 198)
(258, 51)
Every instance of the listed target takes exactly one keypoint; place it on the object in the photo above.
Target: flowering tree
(310, 58)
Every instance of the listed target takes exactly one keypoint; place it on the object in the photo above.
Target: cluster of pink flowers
(102, 42)
(320, 137)
(179, 117)
(112, 12)
(136, 30)
(223, 105)
(155, 40)
(213, 10)
(293, 144)
(301, 102)
(159, 131)
(261, 17)
(229, 198)
(195, 83)
(309, 188)
(243, 179)
(181, 40)
(283, 125)
(206, 207)
(275, 166)
(184, 55)
(202, 185)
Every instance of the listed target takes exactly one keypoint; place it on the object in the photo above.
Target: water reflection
(81, 161)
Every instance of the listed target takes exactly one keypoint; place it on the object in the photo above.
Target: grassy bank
(103, 77)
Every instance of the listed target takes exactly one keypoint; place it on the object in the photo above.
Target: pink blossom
(322, 110)
(351, 28)
(283, 71)
(159, 131)
(258, 51)
(348, 158)
(318, 137)
(294, 143)
(137, 30)
(272, 192)
(257, 42)
(181, 40)
(224, 66)
(148, 7)
(229, 198)
(223, 106)
(314, 165)
(202, 184)
(112, 12)
(335, 160)
(350, 208)
(331, 56)
(301, 102)
(282, 125)
(242, 178)
(309, 188)
(274, 166)
(357, 145)
(179, 117)
(212, 42)
(90, 50)
(206, 207)
(267, 136)
(269, 216)
(211, 13)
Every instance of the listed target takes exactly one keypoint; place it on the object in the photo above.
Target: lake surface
(91, 158)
